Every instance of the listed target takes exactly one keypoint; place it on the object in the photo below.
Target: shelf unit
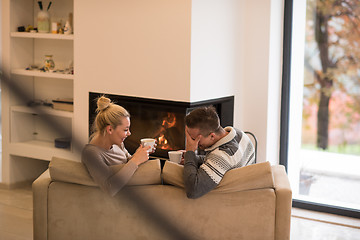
(30, 132)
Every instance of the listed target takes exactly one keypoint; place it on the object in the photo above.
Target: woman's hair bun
(103, 103)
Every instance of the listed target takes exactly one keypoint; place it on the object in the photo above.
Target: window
(320, 131)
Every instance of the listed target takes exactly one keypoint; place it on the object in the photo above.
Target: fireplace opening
(160, 119)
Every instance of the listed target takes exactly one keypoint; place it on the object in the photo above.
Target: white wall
(236, 49)
(258, 94)
(136, 48)
(215, 48)
(274, 81)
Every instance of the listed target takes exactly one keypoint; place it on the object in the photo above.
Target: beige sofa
(252, 202)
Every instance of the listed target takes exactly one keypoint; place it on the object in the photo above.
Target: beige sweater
(111, 169)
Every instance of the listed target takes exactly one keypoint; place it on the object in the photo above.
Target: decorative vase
(67, 28)
(49, 63)
(43, 21)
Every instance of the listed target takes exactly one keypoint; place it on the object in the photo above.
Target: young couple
(225, 149)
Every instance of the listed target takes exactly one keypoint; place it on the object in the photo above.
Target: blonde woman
(108, 162)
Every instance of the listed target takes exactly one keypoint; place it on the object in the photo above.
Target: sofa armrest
(283, 203)
(40, 197)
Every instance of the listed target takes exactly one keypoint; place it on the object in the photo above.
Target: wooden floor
(16, 214)
(16, 220)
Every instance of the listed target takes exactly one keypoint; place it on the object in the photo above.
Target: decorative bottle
(49, 63)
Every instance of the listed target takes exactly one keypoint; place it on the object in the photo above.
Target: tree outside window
(331, 102)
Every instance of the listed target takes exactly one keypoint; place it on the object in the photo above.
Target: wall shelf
(37, 73)
(42, 35)
(41, 110)
(38, 150)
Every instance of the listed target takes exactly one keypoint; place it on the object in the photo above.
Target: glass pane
(324, 152)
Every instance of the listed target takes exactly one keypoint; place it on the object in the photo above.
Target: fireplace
(160, 119)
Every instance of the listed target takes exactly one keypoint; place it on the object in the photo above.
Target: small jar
(43, 21)
(49, 64)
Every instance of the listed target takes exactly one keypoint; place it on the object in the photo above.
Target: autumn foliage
(331, 103)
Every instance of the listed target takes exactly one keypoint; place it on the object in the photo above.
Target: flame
(163, 142)
(168, 122)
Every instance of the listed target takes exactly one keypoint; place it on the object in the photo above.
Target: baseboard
(15, 185)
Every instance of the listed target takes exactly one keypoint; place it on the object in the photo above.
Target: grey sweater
(110, 169)
(202, 173)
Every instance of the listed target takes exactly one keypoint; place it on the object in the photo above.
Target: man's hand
(182, 162)
(191, 144)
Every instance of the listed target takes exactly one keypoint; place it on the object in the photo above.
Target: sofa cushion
(75, 172)
(254, 176)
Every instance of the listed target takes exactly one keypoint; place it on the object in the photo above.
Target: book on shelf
(65, 104)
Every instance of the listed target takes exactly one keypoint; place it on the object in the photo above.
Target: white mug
(148, 142)
(175, 156)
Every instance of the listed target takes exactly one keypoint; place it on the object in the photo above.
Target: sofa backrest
(75, 172)
(255, 176)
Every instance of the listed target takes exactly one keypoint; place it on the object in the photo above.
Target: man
(225, 149)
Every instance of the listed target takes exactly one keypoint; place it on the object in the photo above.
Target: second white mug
(175, 156)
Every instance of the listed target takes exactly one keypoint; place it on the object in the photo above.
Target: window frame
(285, 114)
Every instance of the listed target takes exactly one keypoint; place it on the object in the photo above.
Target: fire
(168, 122)
(162, 141)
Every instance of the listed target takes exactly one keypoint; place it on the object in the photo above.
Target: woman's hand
(141, 155)
(153, 149)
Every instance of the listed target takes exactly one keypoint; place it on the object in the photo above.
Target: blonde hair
(108, 113)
